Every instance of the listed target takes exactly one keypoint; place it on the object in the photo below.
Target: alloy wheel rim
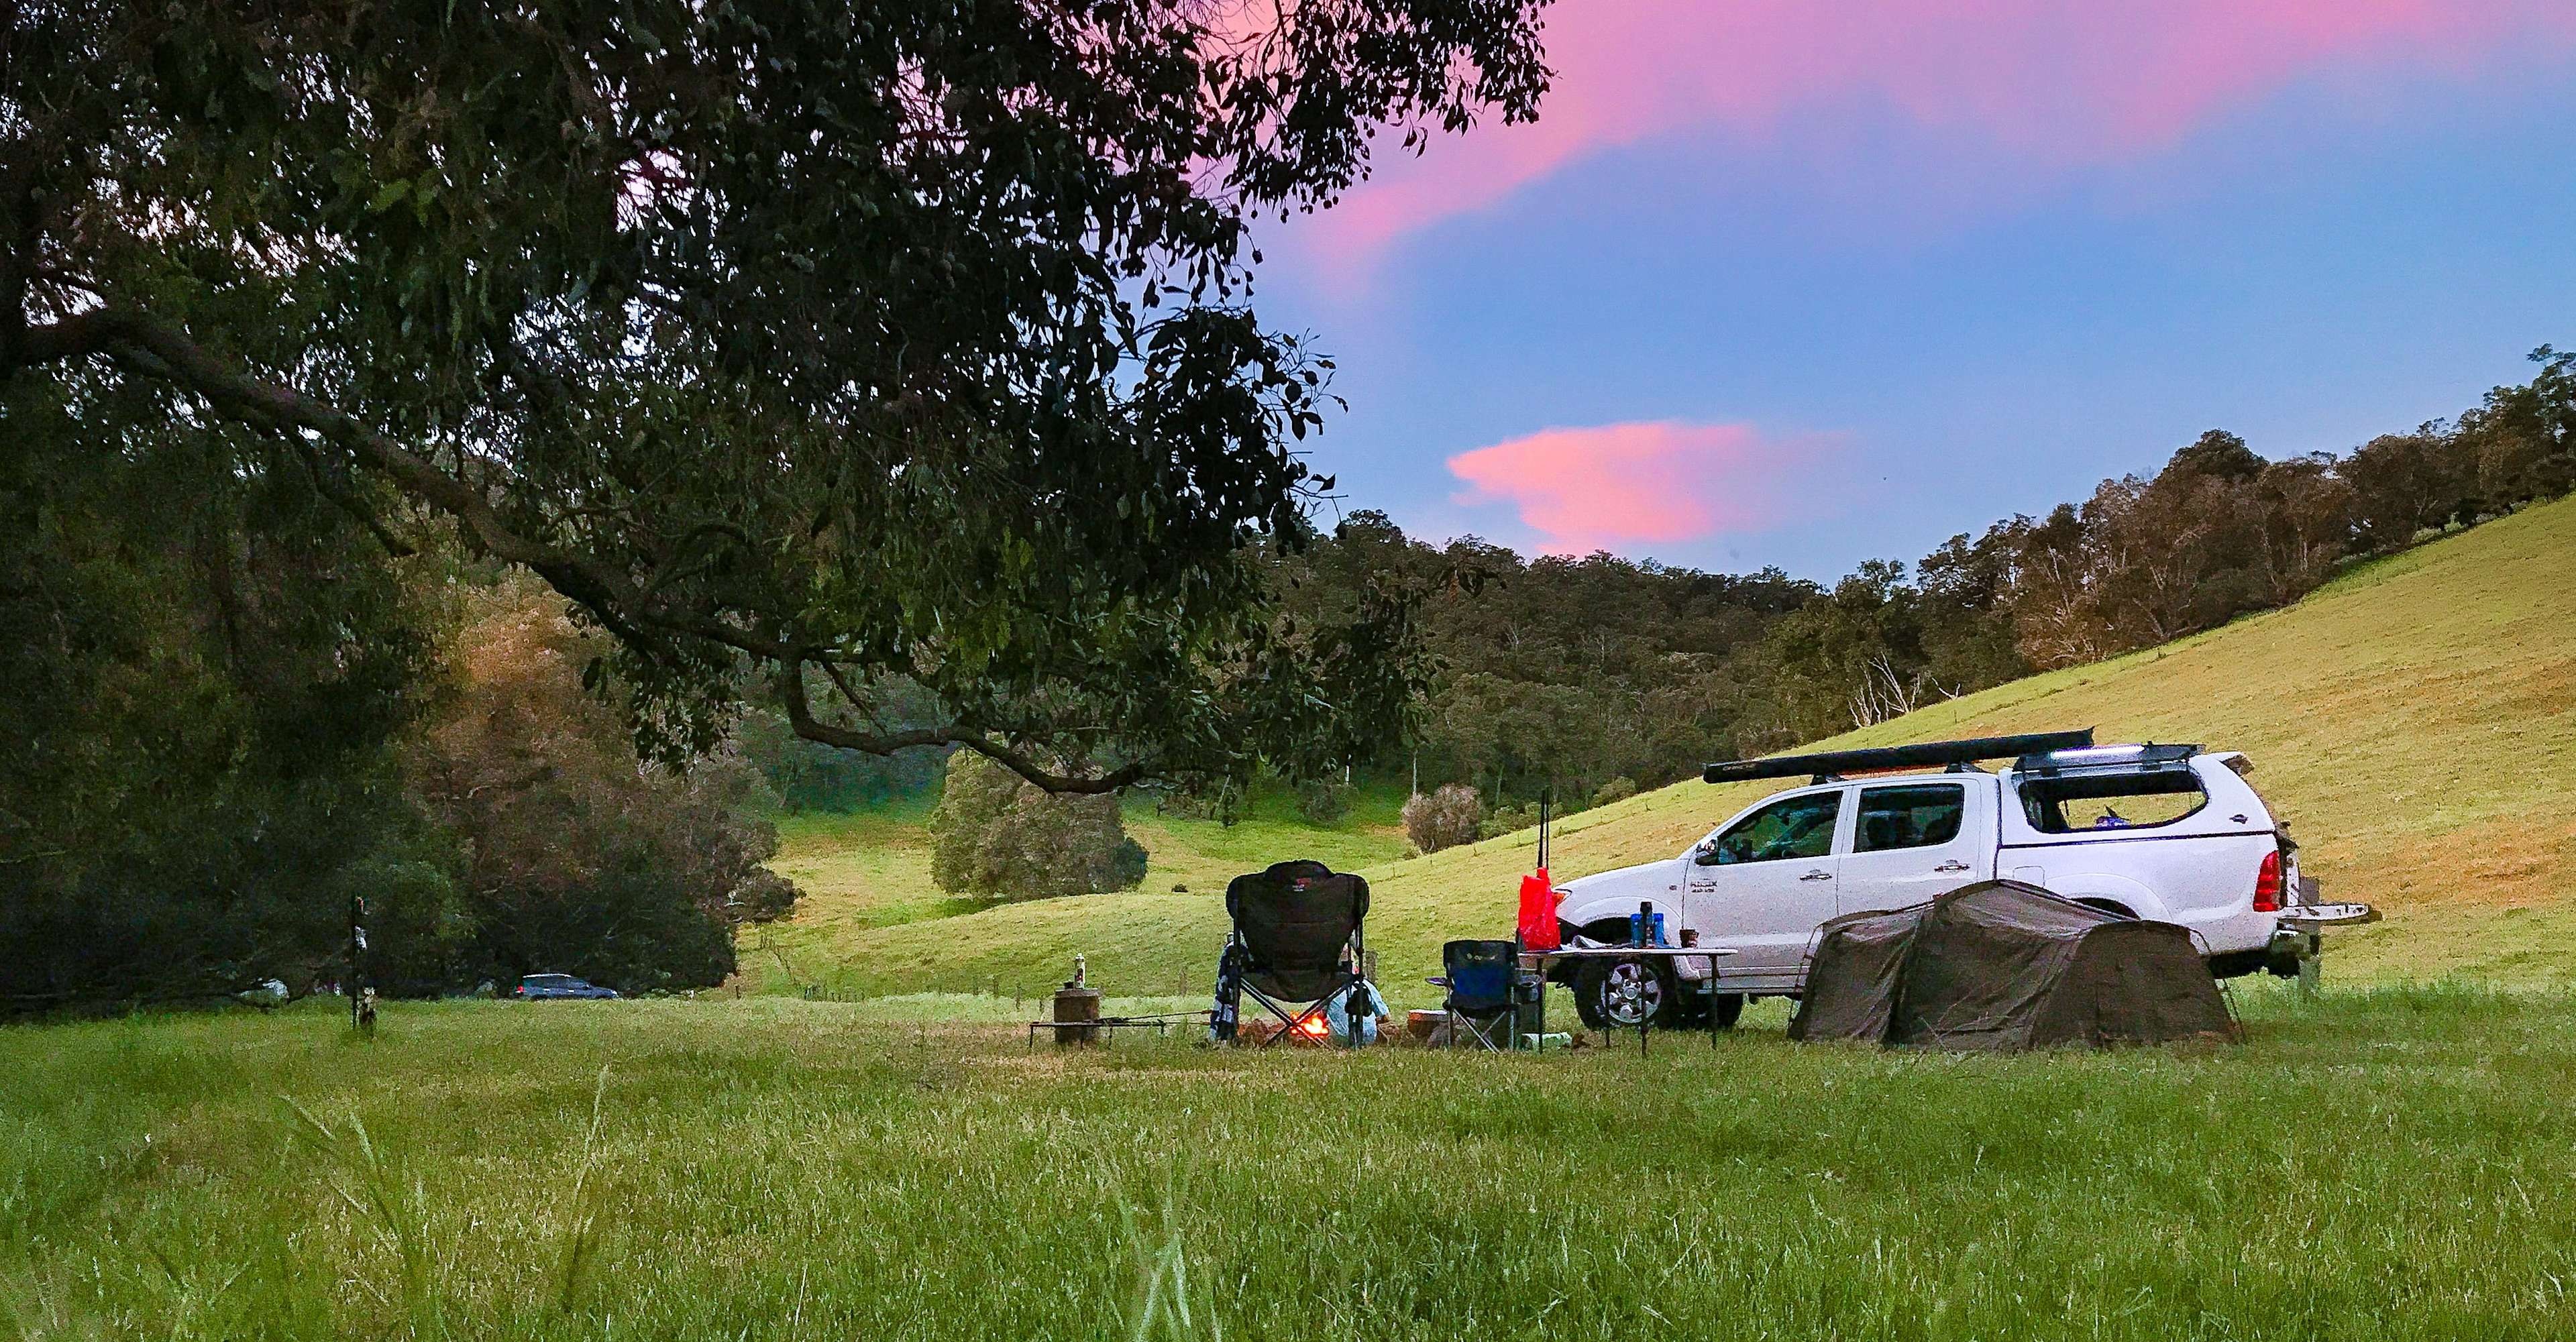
(1631, 993)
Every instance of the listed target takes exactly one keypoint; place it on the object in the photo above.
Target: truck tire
(1696, 1010)
(1612, 994)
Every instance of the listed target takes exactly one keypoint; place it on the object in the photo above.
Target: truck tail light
(2267, 884)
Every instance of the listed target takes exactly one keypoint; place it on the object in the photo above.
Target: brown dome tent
(2003, 965)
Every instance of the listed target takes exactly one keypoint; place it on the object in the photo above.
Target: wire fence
(1025, 991)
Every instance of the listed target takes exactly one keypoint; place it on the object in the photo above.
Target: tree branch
(350, 503)
(158, 349)
(800, 715)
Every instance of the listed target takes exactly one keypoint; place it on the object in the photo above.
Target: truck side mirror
(1708, 855)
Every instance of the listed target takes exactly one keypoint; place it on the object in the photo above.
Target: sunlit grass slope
(2415, 721)
(869, 871)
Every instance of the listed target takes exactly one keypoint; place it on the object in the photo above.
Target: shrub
(997, 835)
(1508, 819)
(1443, 819)
(1617, 789)
(1323, 801)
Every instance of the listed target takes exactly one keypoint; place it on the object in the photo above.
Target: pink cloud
(2055, 83)
(1618, 486)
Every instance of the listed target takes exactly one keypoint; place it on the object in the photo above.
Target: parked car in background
(536, 987)
(2171, 833)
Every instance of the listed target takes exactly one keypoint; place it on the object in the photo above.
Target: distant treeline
(1571, 672)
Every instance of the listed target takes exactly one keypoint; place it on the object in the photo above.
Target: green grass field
(2415, 721)
(2388, 1160)
(2390, 1163)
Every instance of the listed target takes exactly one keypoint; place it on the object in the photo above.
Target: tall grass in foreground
(2385, 1164)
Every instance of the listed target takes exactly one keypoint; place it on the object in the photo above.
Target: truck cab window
(1920, 816)
(1800, 826)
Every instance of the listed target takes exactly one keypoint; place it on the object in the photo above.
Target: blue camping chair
(1479, 975)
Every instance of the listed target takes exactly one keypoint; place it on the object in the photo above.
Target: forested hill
(1570, 672)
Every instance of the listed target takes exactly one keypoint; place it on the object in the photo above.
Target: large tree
(798, 342)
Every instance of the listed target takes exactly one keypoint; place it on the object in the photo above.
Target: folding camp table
(1161, 1024)
(1706, 987)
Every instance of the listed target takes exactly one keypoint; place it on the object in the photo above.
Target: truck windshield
(2111, 800)
(1790, 827)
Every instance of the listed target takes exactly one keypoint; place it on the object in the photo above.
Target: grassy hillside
(869, 871)
(2388, 1165)
(2415, 721)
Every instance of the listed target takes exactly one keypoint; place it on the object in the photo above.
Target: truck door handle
(1817, 876)
(1952, 865)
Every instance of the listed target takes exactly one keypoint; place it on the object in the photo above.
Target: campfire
(1311, 1031)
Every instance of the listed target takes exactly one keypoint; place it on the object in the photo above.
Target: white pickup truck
(2165, 832)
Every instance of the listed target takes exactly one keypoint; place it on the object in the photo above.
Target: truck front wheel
(1617, 994)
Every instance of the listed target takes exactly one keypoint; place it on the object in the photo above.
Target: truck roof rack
(1926, 755)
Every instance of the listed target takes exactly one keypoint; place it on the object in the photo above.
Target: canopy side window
(2145, 799)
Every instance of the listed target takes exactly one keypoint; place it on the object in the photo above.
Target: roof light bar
(2096, 759)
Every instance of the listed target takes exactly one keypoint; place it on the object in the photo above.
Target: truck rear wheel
(1617, 994)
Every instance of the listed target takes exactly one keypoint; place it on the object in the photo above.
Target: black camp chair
(1291, 925)
(1478, 975)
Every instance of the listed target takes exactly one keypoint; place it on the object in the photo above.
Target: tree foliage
(1550, 671)
(204, 672)
(996, 835)
(876, 339)
(1323, 801)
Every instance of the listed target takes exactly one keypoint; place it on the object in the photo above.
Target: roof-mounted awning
(1924, 755)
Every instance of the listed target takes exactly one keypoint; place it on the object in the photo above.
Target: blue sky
(1867, 307)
